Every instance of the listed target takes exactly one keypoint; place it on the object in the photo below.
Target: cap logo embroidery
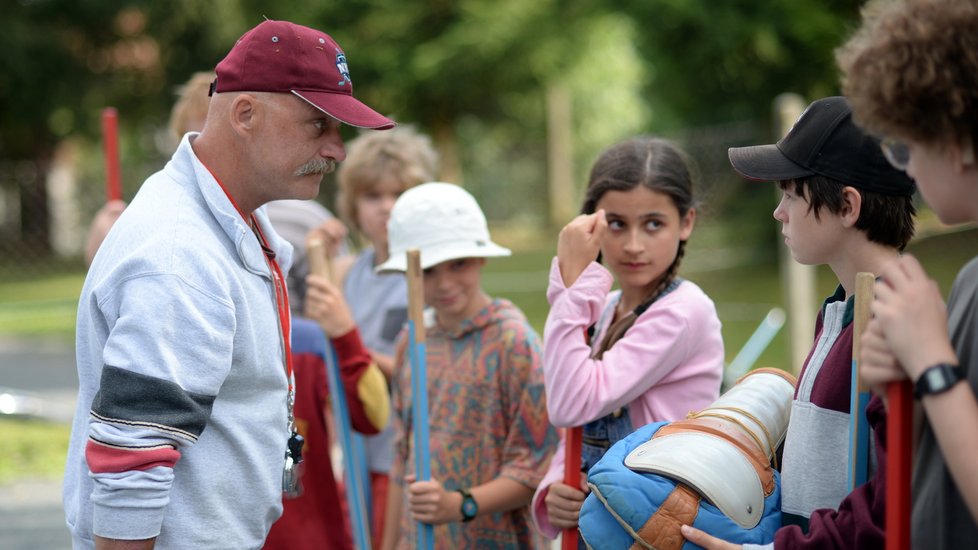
(343, 69)
(795, 123)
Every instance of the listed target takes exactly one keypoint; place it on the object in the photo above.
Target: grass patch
(42, 306)
(32, 449)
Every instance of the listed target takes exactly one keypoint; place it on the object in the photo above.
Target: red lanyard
(278, 280)
(281, 298)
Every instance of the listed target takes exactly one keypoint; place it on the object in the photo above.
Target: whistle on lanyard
(290, 474)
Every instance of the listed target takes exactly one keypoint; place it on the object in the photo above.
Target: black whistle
(295, 447)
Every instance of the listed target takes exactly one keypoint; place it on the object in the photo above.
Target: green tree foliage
(727, 60)
(473, 73)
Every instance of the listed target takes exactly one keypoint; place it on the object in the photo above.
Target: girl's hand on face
(429, 502)
(325, 305)
(579, 244)
(564, 504)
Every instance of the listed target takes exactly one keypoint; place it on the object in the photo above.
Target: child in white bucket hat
(444, 222)
(491, 439)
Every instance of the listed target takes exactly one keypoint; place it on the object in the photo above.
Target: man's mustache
(318, 166)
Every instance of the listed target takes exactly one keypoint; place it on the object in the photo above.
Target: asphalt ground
(42, 374)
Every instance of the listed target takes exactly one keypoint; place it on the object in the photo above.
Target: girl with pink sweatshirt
(650, 351)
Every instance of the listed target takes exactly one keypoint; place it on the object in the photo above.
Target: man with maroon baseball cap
(185, 435)
(278, 56)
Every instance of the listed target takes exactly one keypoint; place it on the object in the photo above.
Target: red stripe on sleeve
(103, 459)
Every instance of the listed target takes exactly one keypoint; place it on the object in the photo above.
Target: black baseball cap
(824, 141)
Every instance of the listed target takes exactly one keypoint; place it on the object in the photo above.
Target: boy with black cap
(844, 206)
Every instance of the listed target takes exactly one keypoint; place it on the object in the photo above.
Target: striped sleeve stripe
(104, 458)
(127, 398)
(152, 425)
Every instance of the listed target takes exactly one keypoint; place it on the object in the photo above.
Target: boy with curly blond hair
(911, 72)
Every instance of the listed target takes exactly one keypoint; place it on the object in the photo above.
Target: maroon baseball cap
(282, 57)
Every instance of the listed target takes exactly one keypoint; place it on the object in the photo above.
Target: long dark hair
(658, 165)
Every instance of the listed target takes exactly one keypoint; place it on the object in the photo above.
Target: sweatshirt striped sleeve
(168, 352)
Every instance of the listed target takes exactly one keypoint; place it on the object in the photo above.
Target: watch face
(469, 507)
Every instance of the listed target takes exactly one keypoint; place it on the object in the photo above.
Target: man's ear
(244, 112)
(852, 204)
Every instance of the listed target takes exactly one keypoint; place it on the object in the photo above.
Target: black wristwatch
(937, 379)
(469, 506)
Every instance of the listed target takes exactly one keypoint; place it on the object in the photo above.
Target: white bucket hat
(443, 221)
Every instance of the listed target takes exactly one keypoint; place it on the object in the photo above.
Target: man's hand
(564, 504)
(429, 502)
(708, 542)
(578, 244)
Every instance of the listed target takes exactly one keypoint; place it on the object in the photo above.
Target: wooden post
(560, 155)
(798, 280)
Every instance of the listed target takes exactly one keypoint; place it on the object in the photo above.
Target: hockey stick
(419, 383)
(353, 460)
(110, 146)
(860, 393)
(572, 477)
(899, 434)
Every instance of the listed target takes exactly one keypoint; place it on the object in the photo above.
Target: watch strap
(467, 499)
(937, 379)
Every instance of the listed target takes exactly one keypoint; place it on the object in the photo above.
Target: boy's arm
(499, 495)
(364, 384)
(430, 502)
(953, 416)
(913, 320)
(858, 523)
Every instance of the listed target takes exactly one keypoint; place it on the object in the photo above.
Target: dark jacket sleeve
(858, 523)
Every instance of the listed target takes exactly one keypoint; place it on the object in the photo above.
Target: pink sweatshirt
(670, 362)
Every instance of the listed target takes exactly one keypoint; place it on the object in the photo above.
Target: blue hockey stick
(419, 383)
(354, 457)
(858, 425)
